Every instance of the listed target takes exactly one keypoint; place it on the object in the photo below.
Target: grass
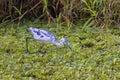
(97, 57)
(103, 12)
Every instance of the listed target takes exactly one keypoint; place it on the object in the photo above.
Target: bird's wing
(49, 35)
(43, 35)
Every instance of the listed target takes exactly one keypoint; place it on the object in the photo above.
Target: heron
(45, 37)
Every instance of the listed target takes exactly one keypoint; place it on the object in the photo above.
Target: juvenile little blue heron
(45, 37)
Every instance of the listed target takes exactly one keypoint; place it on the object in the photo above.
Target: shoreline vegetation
(103, 13)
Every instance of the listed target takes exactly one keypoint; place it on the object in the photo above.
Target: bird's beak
(69, 47)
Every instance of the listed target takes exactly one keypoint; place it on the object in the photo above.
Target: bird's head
(65, 41)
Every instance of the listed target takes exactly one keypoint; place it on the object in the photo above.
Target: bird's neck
(59, 44)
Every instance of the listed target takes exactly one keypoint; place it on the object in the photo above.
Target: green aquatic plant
(97, 56)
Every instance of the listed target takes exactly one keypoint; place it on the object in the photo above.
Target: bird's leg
(42, 45)
(27, 51)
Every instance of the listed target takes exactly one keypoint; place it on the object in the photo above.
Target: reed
(103, 12)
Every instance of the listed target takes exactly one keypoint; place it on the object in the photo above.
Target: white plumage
(46, 37)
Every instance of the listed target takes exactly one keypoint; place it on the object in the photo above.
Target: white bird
(45, 37)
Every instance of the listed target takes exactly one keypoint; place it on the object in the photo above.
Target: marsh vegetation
(91, 26)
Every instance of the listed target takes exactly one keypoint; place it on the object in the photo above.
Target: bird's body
(42, 35)
(47, 37)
